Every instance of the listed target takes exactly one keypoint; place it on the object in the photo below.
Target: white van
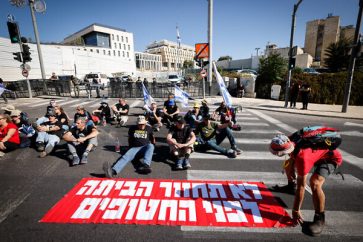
(100, 78)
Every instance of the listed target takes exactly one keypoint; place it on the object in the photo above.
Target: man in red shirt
(9, 135)
(324, 161)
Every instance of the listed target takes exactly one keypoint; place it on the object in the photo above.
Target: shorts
(324, 169)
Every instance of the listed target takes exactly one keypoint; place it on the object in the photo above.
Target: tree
(226, 57)
(338, 55)
(188, 64)
(272, 70)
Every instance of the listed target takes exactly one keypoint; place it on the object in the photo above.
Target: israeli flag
(148, 100)
(222, 87)
(181, 96)
(178, 37)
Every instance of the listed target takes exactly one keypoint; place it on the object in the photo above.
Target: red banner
(169, 202)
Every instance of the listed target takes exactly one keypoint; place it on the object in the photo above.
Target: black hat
(207, 116)
(180, 119)
(51, 113)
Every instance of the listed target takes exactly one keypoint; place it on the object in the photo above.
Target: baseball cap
(281, 145)
(15, 113)
(196, 105)
(171, 102)
(180, 119)
(8, 108)
(51, 113)
(141, 120)
(204, 101)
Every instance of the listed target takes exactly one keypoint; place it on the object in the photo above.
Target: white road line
(353, 124)
(68, 102)
(44, 103)
(134, 104)
(249, 141)
(82, 103)
(342, 223)
(246, 118)
(255, 124)
(352, 133)
(347, 157)
(248, 155)
(257, 131)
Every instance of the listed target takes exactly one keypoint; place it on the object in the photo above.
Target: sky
(239, 26)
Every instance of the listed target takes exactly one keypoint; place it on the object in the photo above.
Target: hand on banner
(297, 218)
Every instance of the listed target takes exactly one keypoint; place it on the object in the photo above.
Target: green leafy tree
(188, 64)
(226, 57)
(338, 55)
(272, 70)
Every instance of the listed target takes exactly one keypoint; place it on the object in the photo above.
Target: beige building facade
(147, 61)
(172, 55)
(321, 33)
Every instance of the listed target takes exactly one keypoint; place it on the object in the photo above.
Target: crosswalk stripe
(257, 131)
(44, 103)
(249, 141)
(69, 102)
(246, 118)
(342, 223)
(254, 124)
(82, 103)
(248, 155)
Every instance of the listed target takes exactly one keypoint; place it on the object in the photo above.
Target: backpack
(317, 137)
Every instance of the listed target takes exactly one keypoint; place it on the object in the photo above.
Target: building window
(119, 45)
(113, 37)
(119, 54)
(127, 39)
(123, 53)
(124, 47)
(109, 53)
(118, 39)
(91, 50)
(127, 54)
(114, 52)
(115, 45)
(104, 52)
(122, 39)
(98, 51)
(128, 47)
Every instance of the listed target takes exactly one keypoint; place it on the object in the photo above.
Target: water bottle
(117, 145)
(104, 121)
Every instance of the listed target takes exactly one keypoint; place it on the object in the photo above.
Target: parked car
(311, 71)
(248, 71)
(99, 77)
(175, 79)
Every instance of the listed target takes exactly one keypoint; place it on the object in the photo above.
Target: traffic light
(17, 56)
(26, 53)
(14, 32)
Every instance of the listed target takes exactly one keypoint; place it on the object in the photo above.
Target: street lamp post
(290, 53)
(210, 38)
(348, 83)
(257, 51)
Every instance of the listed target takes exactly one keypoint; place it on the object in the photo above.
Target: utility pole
(210, 42)
(290, 53)
(257, 51)
(355, 51)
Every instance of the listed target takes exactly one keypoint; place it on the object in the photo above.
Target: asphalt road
(31, 186)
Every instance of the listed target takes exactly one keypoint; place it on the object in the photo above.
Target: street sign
(201, 50)
(25, 66)
(25, 73)
(203, 73)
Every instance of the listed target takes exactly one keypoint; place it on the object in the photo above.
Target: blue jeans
(147, 150)
(50, 139)
(220, 136)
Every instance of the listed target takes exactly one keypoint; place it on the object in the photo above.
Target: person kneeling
(81, 139)
(181, 139)
(141, 141)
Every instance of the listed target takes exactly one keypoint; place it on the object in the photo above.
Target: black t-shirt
(86, 115)
(51, 125)
(180, 135)
(62, 116)
(170, 108)
(221, 110)
(150, 115)
(204, 110)
(105, 111)
(140, 137)
(77, 133)
(120, 107)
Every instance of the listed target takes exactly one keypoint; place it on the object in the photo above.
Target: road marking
(257, 131)
(352, 133)
(68, 102)
(247, 118)
(249, 141)
(248, 155)
(82, 103)
(44, 103)
(342, 223)
(134, 104)
(255, 124)
(353, 124)
(347, 157)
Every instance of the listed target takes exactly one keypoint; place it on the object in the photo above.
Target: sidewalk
(323, 110)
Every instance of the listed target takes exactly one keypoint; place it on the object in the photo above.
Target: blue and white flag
(178, 37)
(181, 96)
(148, 100)
(222, 87)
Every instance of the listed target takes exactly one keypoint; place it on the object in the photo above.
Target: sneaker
(290, 188)
(40, 146)
(179, 164)
(2, 154)
(317, 226)
(187, 164)
(238, 151)
(43, 154)
(84, 159)
(107, 168)
(144, 169)
(75, 160)
(231, 153)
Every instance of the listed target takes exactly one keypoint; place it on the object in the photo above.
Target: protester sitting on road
(82, 112)
(81, 140)
(153, 116)
(49, 109)
(26, 131)
(7, 109)
(121, 111)
(213, 133)
(49, 134)
(170, 111)
(204, 109)
(9, 135)
(181, 139)
(224, 114)
(194, 117)
(103, 113)
(61, 116)
(323, 161)
(141, 142)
